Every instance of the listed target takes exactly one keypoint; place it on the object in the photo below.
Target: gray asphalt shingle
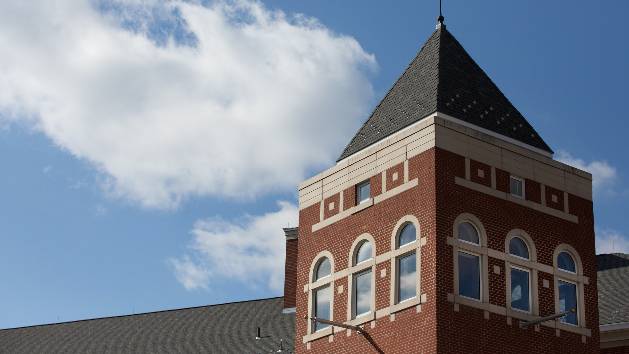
(226, 328)
(443, 77)
(613, 288)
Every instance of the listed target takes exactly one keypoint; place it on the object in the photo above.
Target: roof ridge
(138, 314)
(382, 100)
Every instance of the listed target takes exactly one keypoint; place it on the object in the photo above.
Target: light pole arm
(524, 324)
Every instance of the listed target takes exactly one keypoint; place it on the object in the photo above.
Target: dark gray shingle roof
(444, 78)
(613, 288)
(226, 328)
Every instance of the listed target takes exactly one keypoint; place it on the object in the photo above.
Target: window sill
(405, 304)
(362, 319)
(319, 334)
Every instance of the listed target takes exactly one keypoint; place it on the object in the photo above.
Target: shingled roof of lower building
(613, 288)
(444, 78)
(226, 328)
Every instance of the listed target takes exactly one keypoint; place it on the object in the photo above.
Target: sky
(142, 139)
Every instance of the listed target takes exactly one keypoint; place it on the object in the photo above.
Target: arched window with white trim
(521, 274)
(321, 291)
(569, 286)
(406, 244)
(361, 280)
(469, 245)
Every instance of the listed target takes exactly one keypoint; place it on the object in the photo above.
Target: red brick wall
(336, 199)
(474, 333)
(550, 191)
(533, 191)
(480, 173)
(378, 220)
(617, 350)
(438, 327)
(290, 273)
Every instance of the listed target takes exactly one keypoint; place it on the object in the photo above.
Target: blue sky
(139, 140)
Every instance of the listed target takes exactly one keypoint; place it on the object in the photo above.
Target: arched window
(518, 248)
(406, 265)
(321, 295)
(324, 269)
(569, 285)
(469, 263)
(565, 262)
(521, 290)
(361, 281)
(468, 233)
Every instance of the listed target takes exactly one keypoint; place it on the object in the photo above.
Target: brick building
(445, 227)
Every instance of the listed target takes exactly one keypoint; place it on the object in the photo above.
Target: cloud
(250, 249)
(603, 174)
(173, 99)
(611, 241)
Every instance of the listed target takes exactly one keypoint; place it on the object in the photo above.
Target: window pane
(363, 192)
(364, 252)
(517, 247)
(407, 235)
(323, 269)
(516, 187)
(520, 298)
(467, 232)
(567, 301)
(469, 275)
(362, 293)
(565, 262)
(322, 306)
(406, 277)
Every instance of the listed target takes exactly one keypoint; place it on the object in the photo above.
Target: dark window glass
(322, 306)
(469, 275)
(568, 301)
(517, 247)
(467, 232)
(362, 293)
(520, 298)
(565, 262)
(363, 192)
(517, 187)
(406, 277)
(407, 235)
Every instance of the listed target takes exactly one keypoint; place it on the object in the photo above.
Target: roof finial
(440, 19)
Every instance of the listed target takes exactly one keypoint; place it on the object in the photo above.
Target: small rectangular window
(517, 187)
(469, 275)
(520, 290)
(363, 192)
(568, 301)
(322, 297)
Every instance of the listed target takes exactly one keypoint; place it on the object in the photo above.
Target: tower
(445, 227)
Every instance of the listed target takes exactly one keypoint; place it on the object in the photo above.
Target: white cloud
(610, 241)
(250, 249)
(260, 98)
(603, 174)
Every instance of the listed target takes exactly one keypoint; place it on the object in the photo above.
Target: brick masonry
(436, 202)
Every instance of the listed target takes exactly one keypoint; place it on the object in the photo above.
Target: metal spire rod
(524, 324)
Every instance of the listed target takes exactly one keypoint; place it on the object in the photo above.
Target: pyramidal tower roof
(444, 78)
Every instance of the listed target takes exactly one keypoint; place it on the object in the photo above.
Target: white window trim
(358, 268)
(521, 263)
(357, 187)
(570, 277)
(509, 300)
(479, 250)
(313, 287)
(396, 253)
(523, 196)
(480, 276)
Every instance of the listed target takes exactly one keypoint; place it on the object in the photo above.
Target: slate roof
(444, 78)
(226, 328)
(613, 288)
